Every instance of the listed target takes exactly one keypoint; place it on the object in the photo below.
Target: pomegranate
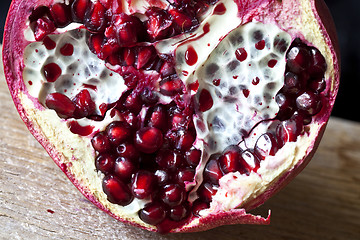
(174, 116)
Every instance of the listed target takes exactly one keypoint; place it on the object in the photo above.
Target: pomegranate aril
(193, 157)
(184, 22)
(96, 43)
(158, 23)
(289, 130)
(78, 10)
(105, 162)
(172, 194)
(118, 132)
(85, 106)
(117, 192)
(133, 103)
(185, 140)
(52, 72)
(61, 14)
(142, 184)
(149, 97)
(130, 29)
(153, 213)
(205, 101)
(43, 27)
(185, 175)
(124, 168)
(179, 213)
(199, 205)
(171, 85)
(127, 150)
(230, 160)
(318, 64)
(266, 145)
(212, 171)
(144, 55)
(128, 55)
(100, 142)
(249, 162)
(317, 85)
(148, 139)
(169, 159)
(286, 106)
(63, 106)
(206, 191)
(167, 69)
(162, 176)
(95, 18)
(293, 83)
(309, 103)
(298, 59)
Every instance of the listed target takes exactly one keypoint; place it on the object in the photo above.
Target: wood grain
(37, 201)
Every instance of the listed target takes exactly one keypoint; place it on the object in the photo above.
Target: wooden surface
(37, 201)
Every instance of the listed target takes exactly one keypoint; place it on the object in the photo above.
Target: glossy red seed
(179, 213)
(149, 97)
(128, 56)
(230, 160)
(43, 27)
(133, 103)
(142, 184)
(317, 85)
(145, 54)
(318, 64)
(172, 194)
(158, 24)
(168, 159)
(129, 29)
(293, 83)
(124, 168)
(309, 103)
(118, 132)
(185, 175)
(95, 18)
(183, 21)
(162, 176)
(286, 106)
(185, 140)
(85, 106)
(193, 157)
(206, 191)
(289, 130)
(61, 14)
(127, 150)
(52, 72)
(266, 145)
(96, 43)
(298, 59)
(100, 142)
(249, 162)
(117, 192)
(105, 162)
(171, 85)
(212, 171)
(61, 104)
(198, 206)
(78, 9)
(205, 100)
(153, 213)
(148, 139)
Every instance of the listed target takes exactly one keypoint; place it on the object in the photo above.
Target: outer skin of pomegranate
(309, 19)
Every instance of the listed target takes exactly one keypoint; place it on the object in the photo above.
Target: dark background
(346, 16)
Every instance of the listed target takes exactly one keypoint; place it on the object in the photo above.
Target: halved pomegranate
(174, 116)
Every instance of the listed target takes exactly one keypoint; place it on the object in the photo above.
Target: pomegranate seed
(153, 213)
(95, 19)
(43, 27)
(67, 49)
(130, 29)
(100, 142)
(52, 72)
(205, 100)
(266, 145)
(193, 157)
(133, 103)
(249, 161)
(186, 175)
(317, 85)
(212, 170)
(167, 69)
(129, 56)
(96, 43)
(230, 160)
(198, 206)
(142, 184)
(105, 162)
(293, 83)
(78, 10)
(108, 49)
(172, 194)
(318, 64)
(61, 104)
(127, 150)
(158, 23)
(61, 14)
(286, 105)
(116, 191)
(206, 191)
(179, 213)
(169, 160)
(118, 132)
(131, 118)
(149, 97)
(85, 106)
(124, 168)
(148, 139)
(309, 103)
(184, 22)
(289, 130)
(186, 140)
(144, 56)
(298, 59)
(162, 176)
(171, 85)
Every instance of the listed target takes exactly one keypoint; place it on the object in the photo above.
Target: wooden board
(37, 201)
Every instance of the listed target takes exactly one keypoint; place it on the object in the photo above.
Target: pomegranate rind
(312, 21)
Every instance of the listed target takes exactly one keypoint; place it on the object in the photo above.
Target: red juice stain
(103, 108)
(191, 56)
(194, 86)
(220, 9)
(30, 83)
(260, 45)
(206, 28)
(272, 63)
(50, 211)
(52, 72)
(256, 81)
(37, 50)
(93, 87)
(76, 128)
(185, 73)
(205, 101)
(48, 43)
(216, 82)
(241, 54)
(67, 49)
(235, 77)
(246, 92)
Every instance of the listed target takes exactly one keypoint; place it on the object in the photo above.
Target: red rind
(13, 51)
